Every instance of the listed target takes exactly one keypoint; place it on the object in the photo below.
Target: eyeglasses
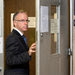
(23, 20)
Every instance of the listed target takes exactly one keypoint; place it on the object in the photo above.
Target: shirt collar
(18, 31)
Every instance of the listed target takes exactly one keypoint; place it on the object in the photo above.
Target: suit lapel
(20, 38)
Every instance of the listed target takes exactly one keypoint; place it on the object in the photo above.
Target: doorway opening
(11, 6)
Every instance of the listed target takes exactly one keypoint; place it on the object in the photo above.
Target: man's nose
(25, 22)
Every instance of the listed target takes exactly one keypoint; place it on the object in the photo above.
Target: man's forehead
(19, 15)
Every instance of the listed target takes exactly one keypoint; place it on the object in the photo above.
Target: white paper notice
(44, 19)
(1, 45)
(32, 23)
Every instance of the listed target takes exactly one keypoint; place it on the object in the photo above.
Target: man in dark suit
(17, 52)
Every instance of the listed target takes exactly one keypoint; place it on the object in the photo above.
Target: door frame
(2, 36)
(71, 43)
(37, 37)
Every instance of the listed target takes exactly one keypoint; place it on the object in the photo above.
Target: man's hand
(32, 49)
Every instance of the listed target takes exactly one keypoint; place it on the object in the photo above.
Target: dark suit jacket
(16, 55)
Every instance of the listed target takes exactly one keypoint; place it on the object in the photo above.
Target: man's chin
(25, 29)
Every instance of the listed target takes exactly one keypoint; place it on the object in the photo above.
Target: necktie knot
(24, 39)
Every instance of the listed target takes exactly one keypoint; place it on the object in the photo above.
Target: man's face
(21, 22)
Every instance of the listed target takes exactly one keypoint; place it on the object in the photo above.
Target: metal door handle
(41, 34)
(0, 69)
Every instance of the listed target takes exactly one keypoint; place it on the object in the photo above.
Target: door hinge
(69, 51)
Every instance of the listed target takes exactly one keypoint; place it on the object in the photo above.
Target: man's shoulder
(14, 36)
(11, 37)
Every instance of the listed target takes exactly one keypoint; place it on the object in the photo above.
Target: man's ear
(14, 23)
